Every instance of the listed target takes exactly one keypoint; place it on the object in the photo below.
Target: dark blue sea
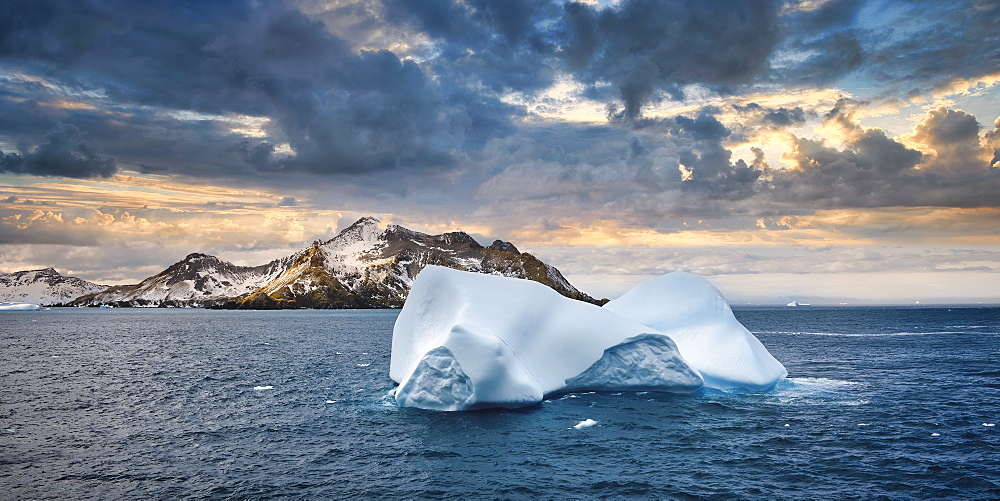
(896, 403)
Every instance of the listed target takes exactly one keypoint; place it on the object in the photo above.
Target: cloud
(340, 110)
(499, 45)
(992, 140)
(288, 202)
(709, 261)
(953, 143)
(274, 94)
(753, 114)
(63, 153)
(644, 46)
(943, 162)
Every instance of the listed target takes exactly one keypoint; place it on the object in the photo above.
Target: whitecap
(331, 401)
(989, 424)
(259, 388)
(815, 390)
(363, 365)
(935, 434)
(586, 423)
(822, 383)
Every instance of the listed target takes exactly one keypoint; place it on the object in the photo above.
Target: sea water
(179, 403)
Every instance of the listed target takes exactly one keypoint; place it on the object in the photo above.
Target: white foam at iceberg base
(468, 340)
(696, 316)
(19, 307)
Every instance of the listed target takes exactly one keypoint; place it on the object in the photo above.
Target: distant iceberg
(468, 340)
(694, 314)
(796, 303)
(19, 307)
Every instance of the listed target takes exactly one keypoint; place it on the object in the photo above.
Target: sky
(834, 151)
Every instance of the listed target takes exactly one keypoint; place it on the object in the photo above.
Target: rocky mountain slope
(45, 287)
(365, 266)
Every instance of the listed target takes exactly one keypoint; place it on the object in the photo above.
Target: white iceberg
(19, 306)
(696, 316)
(468, 340)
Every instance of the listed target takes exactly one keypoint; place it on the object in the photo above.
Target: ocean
(881, 402)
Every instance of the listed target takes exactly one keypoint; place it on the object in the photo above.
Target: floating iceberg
(19, 307)
(696, 316)
(468, 340)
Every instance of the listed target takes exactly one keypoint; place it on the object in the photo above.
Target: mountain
(45, 287)
(365, 266)
(197, 280)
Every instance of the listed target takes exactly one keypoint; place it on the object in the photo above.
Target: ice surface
(19, 307)
(696, 316)
(645, 362)
(437, 383)
(468, 340)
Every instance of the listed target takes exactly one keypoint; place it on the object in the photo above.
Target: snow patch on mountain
(45, 287)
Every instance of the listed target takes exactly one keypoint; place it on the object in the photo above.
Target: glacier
(466, 341)
(693, 313)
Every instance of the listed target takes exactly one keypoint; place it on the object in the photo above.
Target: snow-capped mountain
(197, 280)
(45, 287)
(365, 266)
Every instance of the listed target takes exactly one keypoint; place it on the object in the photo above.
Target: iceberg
(468, 340)
(693, 313)
(19, 306)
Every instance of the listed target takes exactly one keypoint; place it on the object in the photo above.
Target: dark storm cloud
(921, 44)
(500, 44)
(146, 139)
(646, 46)
(63, 152)
(340, 110)
(828, 39)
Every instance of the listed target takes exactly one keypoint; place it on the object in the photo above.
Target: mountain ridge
(45, 287)
(363, 266)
